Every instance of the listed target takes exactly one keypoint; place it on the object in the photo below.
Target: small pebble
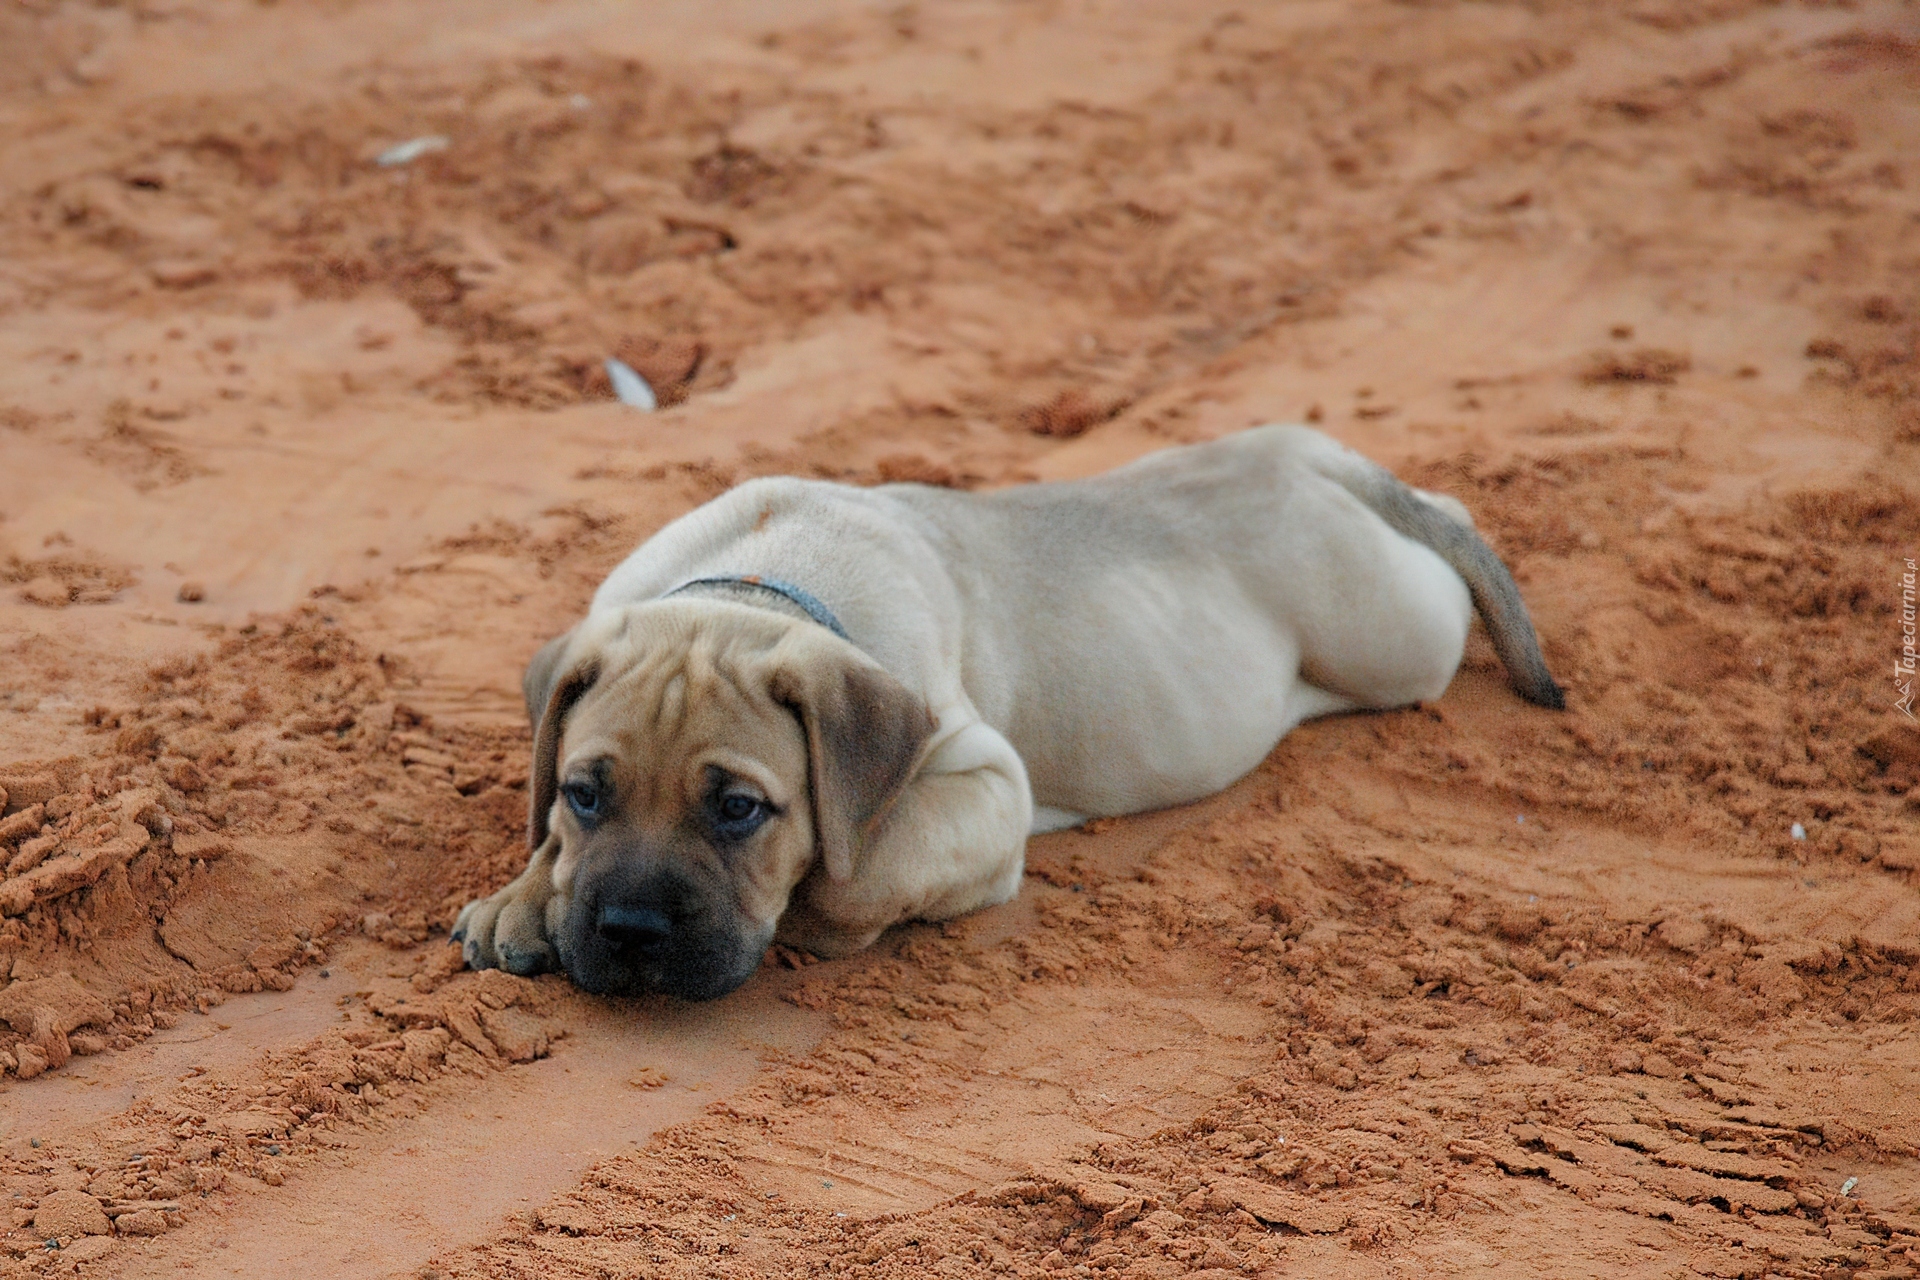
(1799, 832)
(629, 387)
(1846, 1188)
(1520, 818)
(409, 151)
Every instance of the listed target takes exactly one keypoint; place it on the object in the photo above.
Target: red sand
(302, 456)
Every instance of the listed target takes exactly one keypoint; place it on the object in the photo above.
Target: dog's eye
(583, 798)
(738, 815)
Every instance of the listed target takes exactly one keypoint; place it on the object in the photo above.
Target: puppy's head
(695, 760)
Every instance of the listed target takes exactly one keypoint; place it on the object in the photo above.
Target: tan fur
(1017, 661)
(827, 737)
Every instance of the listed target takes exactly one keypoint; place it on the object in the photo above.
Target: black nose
(640, 928)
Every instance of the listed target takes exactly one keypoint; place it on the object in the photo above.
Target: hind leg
(1395, 630)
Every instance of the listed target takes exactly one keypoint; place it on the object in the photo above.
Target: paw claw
(523, 963)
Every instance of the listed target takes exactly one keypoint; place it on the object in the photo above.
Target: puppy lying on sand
(806, 712)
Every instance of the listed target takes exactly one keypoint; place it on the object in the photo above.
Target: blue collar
(786, 590)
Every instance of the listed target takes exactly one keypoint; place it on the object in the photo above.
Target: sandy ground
(301, 456)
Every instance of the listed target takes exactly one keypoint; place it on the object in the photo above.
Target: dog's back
(1154, 630)
(1142, 637)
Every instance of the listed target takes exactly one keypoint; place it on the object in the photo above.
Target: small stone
(191, 593)
(629, 387)
(412, 149)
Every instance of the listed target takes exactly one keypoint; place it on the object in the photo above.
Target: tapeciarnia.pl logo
(1903, 665)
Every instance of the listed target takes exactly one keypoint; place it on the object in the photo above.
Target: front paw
(507, 931)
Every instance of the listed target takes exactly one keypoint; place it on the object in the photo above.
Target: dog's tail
(1443, 526)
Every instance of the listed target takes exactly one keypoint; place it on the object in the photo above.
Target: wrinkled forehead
(676, 687)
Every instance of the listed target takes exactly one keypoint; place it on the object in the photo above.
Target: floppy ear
(865, 735)
(566, 689)
(542, 672)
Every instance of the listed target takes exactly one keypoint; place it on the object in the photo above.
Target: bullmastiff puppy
(806, 711)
